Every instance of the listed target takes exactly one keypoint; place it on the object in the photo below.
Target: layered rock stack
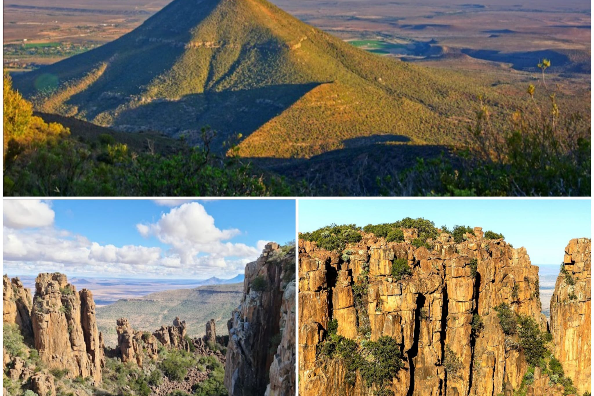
(570, 313)
(211, 332)
(132, 343)
(433, 313)
(255, 324)
(173, 336)
(17, 305)
(65, 327)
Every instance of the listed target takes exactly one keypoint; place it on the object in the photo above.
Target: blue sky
(142, 238)
(542, 226)
(256, 219)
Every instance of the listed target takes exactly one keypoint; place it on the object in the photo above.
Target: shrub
(515, 291)
(106, 139)
(334, 237)
(533, 340)
(66, 290)
(493, 235)
(178, 393)
(418, 242)
(473, 267)
(213, 385)
(477, 323)
(400, 268)
(451, 362)
(395, 235)
(383, 362)
(507, 319)
(175, 366)
(569, 280)
(13, 340)
(529, 377)
(259, 284)
(29, 392)
(59, 373)
(459, 231)
(332, 326)
(155, 377)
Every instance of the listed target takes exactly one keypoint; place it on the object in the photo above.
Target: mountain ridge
(246, 66)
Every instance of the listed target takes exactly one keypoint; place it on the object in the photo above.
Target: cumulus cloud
(171, 202)
(190, 230)
(196, 248)
(27, 214)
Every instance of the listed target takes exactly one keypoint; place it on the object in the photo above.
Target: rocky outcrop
(173, 336)
(132, 344)
(17, 305)
(441, 314)
(570, 313)
(43, 384)
(255, 326)
(211, 332)
(282, 370)
(65, 328)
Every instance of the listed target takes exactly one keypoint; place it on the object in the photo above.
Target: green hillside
(195, 306)
(245, 66)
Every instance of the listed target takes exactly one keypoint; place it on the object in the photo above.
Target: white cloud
(172, 202)
(197, 248)
(190, 230)
(261, 244)
(27, 214)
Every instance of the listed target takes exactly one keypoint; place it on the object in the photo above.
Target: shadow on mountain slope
(227, 112)
(353, 171)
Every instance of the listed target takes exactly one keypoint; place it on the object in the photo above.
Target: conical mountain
(245, 66)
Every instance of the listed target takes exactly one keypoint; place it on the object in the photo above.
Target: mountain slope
(245, 66)
(196, 306)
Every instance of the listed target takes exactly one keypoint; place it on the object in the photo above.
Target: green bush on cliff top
(334, 237)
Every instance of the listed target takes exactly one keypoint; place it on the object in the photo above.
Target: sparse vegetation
(13, 340)
(477, 323)
(493, 235)
(451, 362)
(176, 364)
(400, 268)
(459, 231)
(259, 284)
(377, 361)
(473, 267)
(333, 237)
(507, 319)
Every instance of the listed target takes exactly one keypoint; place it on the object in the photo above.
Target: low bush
(459, 231)
(334, 237)
(507, 319)
(175, 366)
(493, 235)
(259, 284)
(400, 268)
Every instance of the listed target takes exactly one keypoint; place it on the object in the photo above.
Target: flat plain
(489, 35)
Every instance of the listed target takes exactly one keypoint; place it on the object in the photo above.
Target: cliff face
(442, 315)
(17, 305)
(282, 370)
(570, 313)
(65, 329)
(256, 324)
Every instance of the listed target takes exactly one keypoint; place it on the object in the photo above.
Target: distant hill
(195, 306)
(246, 66)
